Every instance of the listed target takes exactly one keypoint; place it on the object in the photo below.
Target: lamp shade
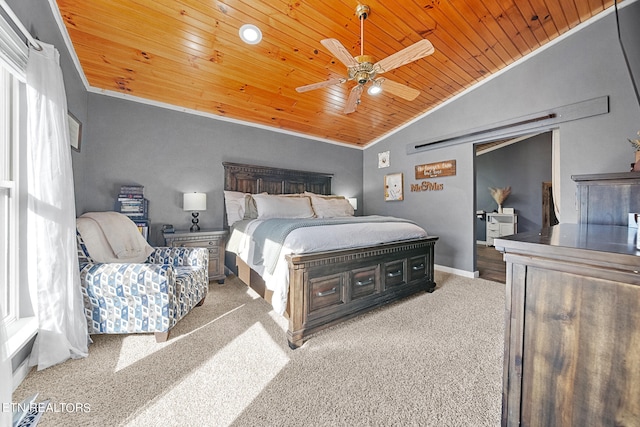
(354, 202)
(194, 202)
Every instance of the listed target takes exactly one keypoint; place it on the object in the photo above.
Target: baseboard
(457, 272)
(21, 373)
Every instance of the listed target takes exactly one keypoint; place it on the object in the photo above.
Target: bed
(330, 284)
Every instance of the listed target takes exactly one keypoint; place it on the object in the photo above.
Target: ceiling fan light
(374, 89)
(250, 34)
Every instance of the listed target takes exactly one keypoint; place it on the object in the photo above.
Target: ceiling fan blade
(354, 99)
(408, 54)
(340, 52)
(398, 89)
(319, 85)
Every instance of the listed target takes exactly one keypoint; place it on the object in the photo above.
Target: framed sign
(436, 170)
(393, 184)
(383, 159)
(75, 131)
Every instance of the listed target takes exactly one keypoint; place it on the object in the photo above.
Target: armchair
(148, 296)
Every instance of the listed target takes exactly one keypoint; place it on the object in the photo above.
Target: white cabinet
(500, 224)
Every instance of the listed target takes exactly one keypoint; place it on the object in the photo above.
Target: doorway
(525, 165)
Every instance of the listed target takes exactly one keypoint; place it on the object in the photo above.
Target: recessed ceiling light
(250, 34)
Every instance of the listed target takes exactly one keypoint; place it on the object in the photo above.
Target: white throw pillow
(272, 206)
(234, 202)
(331, 207)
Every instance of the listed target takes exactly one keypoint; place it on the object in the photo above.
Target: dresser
(572, 331)
(607, 198)
(213, 240)
(499, 225)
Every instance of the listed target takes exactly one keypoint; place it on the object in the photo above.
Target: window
(8, 198)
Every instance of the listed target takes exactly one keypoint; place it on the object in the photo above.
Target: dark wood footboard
(326, 288)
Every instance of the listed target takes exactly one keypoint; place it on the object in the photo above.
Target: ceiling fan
(363, 69)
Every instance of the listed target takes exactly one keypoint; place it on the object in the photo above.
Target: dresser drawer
(364, 281)
(213, 252)
(195, 244)
(493, 226)
(325, 291)
(213, 244)
(493, 233)
(394, 273)
(417, 268)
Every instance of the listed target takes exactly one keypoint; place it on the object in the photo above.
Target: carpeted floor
(428, 360)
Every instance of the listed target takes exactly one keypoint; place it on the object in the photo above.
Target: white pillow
(327, 207)
(330, 196)
(271, 206)
(234, 202)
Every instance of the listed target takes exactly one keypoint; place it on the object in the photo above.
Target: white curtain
(54, 281)
(6, 385)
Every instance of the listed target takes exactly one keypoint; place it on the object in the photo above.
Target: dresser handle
(329, 292)
(418, 267)
(211, 243)
(394, 273)
(364, 282)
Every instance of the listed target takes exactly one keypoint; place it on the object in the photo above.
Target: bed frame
(326, 288)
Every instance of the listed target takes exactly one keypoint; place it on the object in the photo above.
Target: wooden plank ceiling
(187, 53)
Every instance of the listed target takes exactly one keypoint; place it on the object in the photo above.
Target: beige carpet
(428, 360)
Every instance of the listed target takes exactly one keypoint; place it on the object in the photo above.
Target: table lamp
(194, 202)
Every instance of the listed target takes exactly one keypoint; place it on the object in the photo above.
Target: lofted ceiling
(187, 53)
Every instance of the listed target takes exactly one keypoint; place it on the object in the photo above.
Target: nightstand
(213, 240)
(499, 225)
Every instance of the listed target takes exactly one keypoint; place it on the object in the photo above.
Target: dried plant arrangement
(635, 143)
(500, 195)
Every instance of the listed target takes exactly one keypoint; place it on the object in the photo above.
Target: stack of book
(131, 202)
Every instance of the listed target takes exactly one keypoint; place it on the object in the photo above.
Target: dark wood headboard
(259, 179)
(264, 179)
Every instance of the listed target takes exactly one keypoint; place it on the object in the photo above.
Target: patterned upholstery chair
(142, 297)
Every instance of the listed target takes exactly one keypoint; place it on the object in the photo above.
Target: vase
(636, 166)
(499, 208)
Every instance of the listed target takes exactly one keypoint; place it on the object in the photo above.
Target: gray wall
(171, 152)
(523, 166)
(586, 65)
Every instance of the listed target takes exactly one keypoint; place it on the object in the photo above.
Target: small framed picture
(383, 159)
(75, 131)
(393, 187)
